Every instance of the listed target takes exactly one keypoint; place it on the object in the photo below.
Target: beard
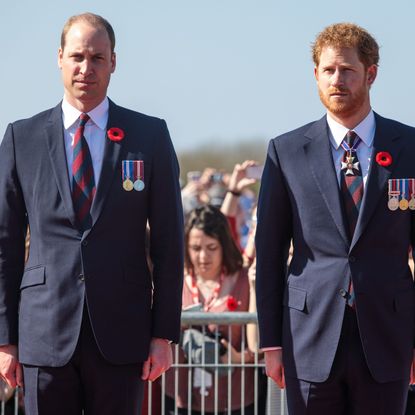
(347, 105)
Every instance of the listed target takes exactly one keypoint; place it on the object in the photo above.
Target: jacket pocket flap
(295, 298)
(33, 276)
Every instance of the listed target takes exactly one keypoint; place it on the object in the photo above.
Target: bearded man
(337, 326)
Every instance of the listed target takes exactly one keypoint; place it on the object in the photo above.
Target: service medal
(411, 203)
(393, 194)
(128, 185)
(403, 204)
(139, 185)
(139, 175)
(127, 174)
(393, 203)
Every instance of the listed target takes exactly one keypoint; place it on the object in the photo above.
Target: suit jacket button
(84, 243)
(343, 292)
(81, 277)
(352, 259)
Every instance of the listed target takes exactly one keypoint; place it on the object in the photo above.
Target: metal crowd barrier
(10, 401)
(272, 401)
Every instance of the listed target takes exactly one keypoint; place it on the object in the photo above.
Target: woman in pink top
(215, 281)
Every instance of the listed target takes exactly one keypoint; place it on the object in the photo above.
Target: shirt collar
(99, 115)
(365, 130)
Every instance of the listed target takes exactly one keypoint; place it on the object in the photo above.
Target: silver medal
(139, 185)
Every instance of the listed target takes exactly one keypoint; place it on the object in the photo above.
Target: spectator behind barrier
(215, 281)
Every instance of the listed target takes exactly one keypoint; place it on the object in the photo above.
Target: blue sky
(219, 71)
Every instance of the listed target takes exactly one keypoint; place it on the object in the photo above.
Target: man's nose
(337, 78)
(85, 67)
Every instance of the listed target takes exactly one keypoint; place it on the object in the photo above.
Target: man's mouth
(83, 82)
(338, 93)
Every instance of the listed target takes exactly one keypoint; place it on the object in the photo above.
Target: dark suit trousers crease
(87, 383)
(350, 388)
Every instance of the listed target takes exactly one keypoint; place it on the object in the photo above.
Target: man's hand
(412, 377)
(159, 360)
(10, 368)
(274, 367)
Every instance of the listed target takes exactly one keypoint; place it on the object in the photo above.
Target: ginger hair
(347, 35)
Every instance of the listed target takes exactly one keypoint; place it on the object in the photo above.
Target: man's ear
(60, 54)
(372, 72)
(113, 61)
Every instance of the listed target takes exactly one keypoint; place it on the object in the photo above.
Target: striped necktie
(351, 189)
(83, 182)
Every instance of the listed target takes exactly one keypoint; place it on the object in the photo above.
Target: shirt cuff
(270, 349)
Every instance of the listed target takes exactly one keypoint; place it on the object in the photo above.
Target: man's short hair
(95, 21)
(347, 35)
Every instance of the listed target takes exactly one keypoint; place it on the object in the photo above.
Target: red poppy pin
(383, 158)
(232, 303)
(115, 134)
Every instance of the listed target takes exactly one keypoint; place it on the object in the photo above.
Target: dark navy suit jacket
(301, 308)
(41, 303)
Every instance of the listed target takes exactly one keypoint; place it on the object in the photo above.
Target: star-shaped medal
(349, 166)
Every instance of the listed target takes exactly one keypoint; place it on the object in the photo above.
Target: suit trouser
(87, 383)
(350, 388)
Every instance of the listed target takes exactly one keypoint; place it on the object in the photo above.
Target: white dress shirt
(95, 134)
(366, 132)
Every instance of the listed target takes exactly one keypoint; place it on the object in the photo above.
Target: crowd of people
(219, 250)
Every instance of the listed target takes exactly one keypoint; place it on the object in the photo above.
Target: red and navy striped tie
(83, 182)
(352, 189)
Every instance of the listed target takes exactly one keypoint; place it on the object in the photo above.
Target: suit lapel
(112, 151)
(320, 158)
(56, 146)
(386, 139)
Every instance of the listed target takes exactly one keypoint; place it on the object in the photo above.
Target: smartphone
(216, 177)
(254, 172)
(193, 176)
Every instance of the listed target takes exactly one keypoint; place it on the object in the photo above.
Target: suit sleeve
(273, 236)
(166, 240)
(413, 252)
(13, 226)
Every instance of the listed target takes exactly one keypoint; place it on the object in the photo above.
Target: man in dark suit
(337, 326)
(85, 318)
